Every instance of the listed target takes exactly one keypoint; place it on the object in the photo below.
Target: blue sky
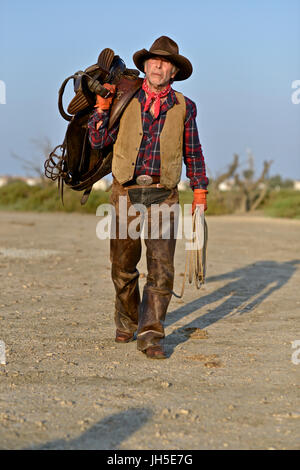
(245, 54)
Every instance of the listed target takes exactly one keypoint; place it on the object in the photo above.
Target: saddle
(74, 162)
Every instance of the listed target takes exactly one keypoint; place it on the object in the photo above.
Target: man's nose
(158, 63)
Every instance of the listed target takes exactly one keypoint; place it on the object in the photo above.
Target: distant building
(297, 185)
(101, 185)
(3, 180)
(183, 185)
(30, 181)
(226, 185)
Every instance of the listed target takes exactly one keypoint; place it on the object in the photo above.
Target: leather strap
(126, 89)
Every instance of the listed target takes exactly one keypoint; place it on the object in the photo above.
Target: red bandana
(154, 96)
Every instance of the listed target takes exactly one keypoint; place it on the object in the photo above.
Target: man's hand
(103, 104)
(199, 199)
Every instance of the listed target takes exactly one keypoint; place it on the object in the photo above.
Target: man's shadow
(251, 286)
(107, 434)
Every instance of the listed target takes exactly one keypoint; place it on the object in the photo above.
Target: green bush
(19, 196)
(43, 198)
(216, 204)
(283, 203)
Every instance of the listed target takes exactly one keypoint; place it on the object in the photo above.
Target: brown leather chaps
(146, 315)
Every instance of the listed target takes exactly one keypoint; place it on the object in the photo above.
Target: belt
(143, 180)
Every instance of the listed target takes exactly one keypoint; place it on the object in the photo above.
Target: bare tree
(247, 191)
(35, 165)
(252, 191)
(229, 173)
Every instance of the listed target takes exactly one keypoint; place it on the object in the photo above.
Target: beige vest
(126, 147)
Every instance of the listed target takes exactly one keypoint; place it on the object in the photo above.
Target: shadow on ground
(107, 434)
(250, 286)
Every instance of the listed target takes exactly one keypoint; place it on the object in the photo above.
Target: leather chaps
(145, 315)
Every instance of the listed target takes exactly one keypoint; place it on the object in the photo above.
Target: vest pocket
(170, 175)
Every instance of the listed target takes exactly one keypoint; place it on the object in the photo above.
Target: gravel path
(231, 380)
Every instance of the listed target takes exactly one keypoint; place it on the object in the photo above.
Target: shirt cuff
(102, 116)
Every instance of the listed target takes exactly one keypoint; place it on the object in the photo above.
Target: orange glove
(199, 199)
(105, 103)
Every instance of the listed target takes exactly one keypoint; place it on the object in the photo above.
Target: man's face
(159, 71)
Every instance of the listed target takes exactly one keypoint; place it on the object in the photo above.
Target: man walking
(156, 132)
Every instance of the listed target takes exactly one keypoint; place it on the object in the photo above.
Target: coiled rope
(196, 247)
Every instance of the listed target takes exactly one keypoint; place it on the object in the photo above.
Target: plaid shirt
(148, 159)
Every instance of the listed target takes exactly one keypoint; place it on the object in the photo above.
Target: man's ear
(174, 72)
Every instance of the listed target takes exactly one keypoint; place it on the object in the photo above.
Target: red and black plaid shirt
(148, 159)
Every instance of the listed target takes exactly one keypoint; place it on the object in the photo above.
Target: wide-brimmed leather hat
(167, 48)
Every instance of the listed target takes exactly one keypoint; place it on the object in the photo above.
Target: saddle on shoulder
(74, 162)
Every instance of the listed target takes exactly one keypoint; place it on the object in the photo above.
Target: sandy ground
(66, 384)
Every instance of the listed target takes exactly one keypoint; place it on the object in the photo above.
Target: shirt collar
(170, 101)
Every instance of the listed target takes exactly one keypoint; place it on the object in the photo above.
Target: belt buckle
(144, 180)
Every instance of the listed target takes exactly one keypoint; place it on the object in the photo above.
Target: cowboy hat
(168, 48)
